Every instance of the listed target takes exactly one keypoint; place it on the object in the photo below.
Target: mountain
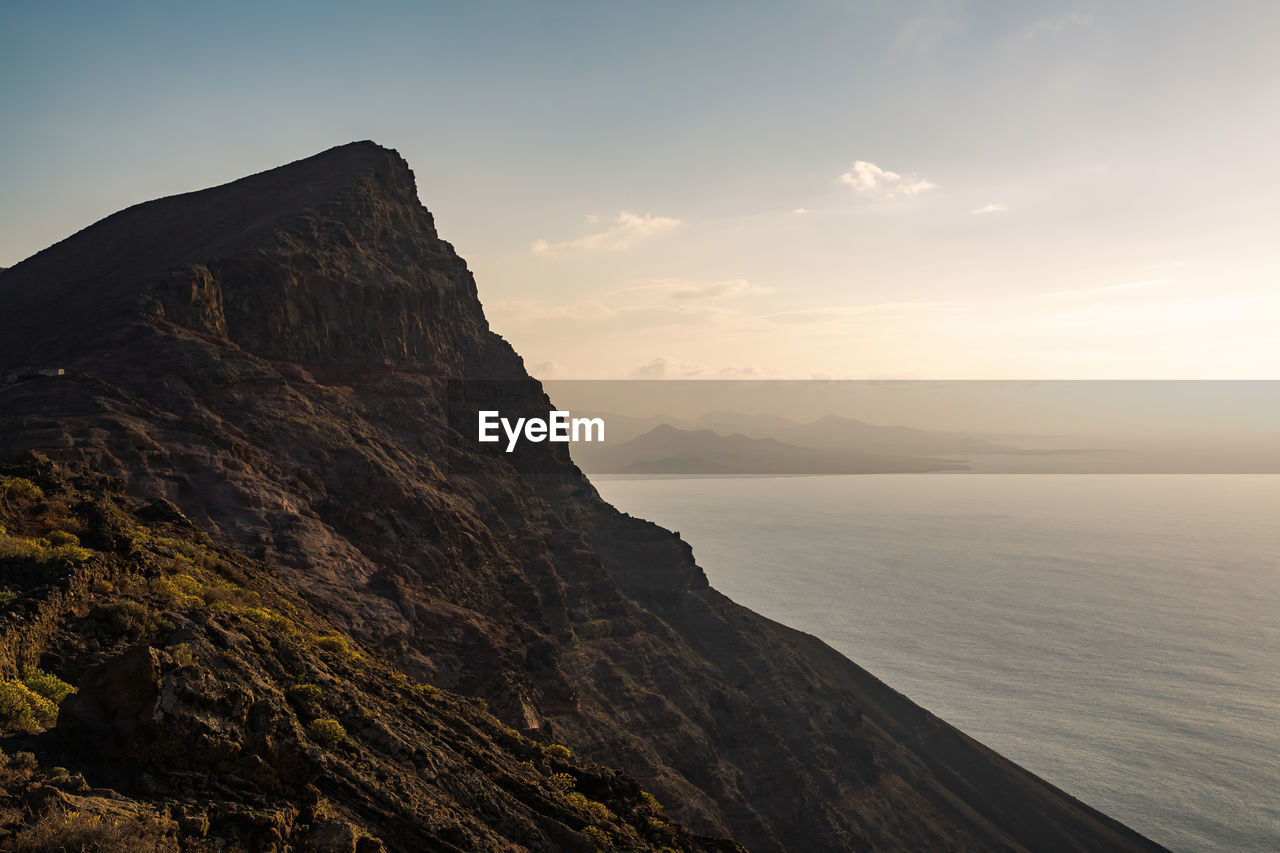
(297, 577)
(668, 450)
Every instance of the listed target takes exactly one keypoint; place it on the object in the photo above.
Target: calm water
(1118, 635)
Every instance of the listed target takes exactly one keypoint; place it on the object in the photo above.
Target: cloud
(870, 180)
(989, 208)
(748, 372)
(1051, 26)
(848, 312)
(665, 367)
(799, 211)
(546, 369)
(1110, 289)
(684, 290)
(922, 34)
(626, 228)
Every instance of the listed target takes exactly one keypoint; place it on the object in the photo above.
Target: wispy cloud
(1110, 289)
(667, 367)
(846, 312)
(627, 228)
(685, 290)
(989, 208)
(870, 180)
(922, 34)
(1051, 26)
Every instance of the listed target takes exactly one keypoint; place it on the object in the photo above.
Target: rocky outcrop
(288, 359)
(214, 710)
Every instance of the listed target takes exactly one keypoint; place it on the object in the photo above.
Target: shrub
(173, 595)
(182, 655)
(308, 696)
(62, 537)
(336, 643)
(20, 548)
(23, 761)
(7, 597)
(557, 752)
(327, 732)
(598, 835)
(47, 685)
(126, 617)
(74, 553)
(20, 489)
(599, 811)
(82, 831)
(651, 801)
(562, 782)
(40, 550)
(20, 708)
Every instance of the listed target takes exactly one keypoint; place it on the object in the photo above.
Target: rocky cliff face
(280, 359)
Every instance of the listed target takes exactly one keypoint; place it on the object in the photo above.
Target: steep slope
(216, 710)
(294, 359)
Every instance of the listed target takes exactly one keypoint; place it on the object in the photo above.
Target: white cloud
(626, 228)
(665, 367)
(989, 208)
(870, 180)
(922, 34)
(685, 290)
(847, 312)
(1051, 26)
(546, 369)
(799, 211)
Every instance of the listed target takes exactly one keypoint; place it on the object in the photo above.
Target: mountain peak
(330, 259)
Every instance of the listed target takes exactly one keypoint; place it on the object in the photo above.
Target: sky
(727, 188)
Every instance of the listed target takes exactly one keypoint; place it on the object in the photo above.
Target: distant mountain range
(666, 449)
(727, 443)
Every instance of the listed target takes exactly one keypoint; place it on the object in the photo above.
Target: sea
(1117, 635)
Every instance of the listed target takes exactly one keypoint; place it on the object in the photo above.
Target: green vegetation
(58, 538)
(22, 708)
(41, 550)
(327, 732)
(599, 836)
(47, 685)
(75, 830)
(562, 782)
(557, 752)
(127, 618)
(32, 703)
(17, 491)
(308, 697)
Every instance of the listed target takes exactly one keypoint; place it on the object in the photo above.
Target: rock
(331, 836)
(116, 696)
